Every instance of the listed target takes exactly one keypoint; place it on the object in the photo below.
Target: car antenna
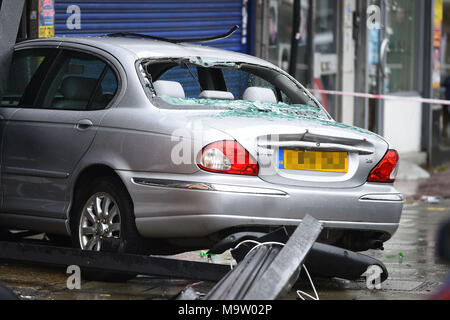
(208, 39)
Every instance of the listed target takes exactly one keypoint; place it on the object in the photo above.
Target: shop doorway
(318, 38)
(395, 67)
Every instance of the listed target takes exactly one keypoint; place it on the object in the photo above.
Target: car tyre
(103, 220)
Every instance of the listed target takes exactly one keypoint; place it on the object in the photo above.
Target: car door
(47, 137)
(26, 64)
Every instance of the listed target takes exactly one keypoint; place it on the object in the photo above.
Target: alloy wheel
(100, 220)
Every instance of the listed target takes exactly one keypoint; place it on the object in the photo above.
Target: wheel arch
(88, 175)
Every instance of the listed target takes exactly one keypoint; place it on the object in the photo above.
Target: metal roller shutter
(169, 18)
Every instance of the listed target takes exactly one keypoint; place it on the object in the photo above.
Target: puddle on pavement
(415, 275)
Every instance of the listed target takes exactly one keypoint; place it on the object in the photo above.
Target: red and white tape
(380, 97)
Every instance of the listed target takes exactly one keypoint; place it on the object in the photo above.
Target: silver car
(113, 140)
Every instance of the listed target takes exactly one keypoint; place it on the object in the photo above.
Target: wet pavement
(414, 270)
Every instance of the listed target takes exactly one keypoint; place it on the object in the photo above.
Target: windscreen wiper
(146, 36)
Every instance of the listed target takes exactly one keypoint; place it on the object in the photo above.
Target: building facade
(392, 47)
(389, 47)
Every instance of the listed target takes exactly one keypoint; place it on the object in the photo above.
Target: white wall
(403, 125)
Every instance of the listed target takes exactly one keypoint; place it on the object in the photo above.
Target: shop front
(440, 114)
(303, 39)
(393, 57)
(171, 19)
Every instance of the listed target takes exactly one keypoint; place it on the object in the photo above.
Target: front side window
(24, 67)
(78, 81)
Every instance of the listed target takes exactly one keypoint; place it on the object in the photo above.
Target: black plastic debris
(323, 261)
(269, 271)
(29, 252)
(281, 236)
(327, 261)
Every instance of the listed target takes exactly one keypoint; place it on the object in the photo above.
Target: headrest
(212, 94)
(74, 68)
(78, 88)
(169, 88)
(259, 94)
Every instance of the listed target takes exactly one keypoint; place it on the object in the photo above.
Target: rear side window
(24, 67)
(78, 81)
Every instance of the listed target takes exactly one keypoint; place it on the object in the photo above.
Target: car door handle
(84, 124)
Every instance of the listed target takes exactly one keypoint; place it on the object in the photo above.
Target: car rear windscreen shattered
(229, 88)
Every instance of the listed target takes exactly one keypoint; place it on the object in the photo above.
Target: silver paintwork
(134, 138)
(213, 211)
(317, 146)
(191, 185)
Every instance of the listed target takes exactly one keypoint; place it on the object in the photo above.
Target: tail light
(228, 157)
(386, 170)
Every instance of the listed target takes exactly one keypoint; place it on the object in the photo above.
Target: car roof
(148, 48)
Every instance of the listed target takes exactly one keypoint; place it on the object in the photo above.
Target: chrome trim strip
(202, 186)
(316, 146)
(35, 173)
(382, 197)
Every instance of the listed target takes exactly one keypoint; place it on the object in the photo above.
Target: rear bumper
(183, 206)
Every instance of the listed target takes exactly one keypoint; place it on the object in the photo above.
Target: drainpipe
(296, 21)
(261, 29)
(310, 42)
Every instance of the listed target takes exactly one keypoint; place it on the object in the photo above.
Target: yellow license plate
(313, 161)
